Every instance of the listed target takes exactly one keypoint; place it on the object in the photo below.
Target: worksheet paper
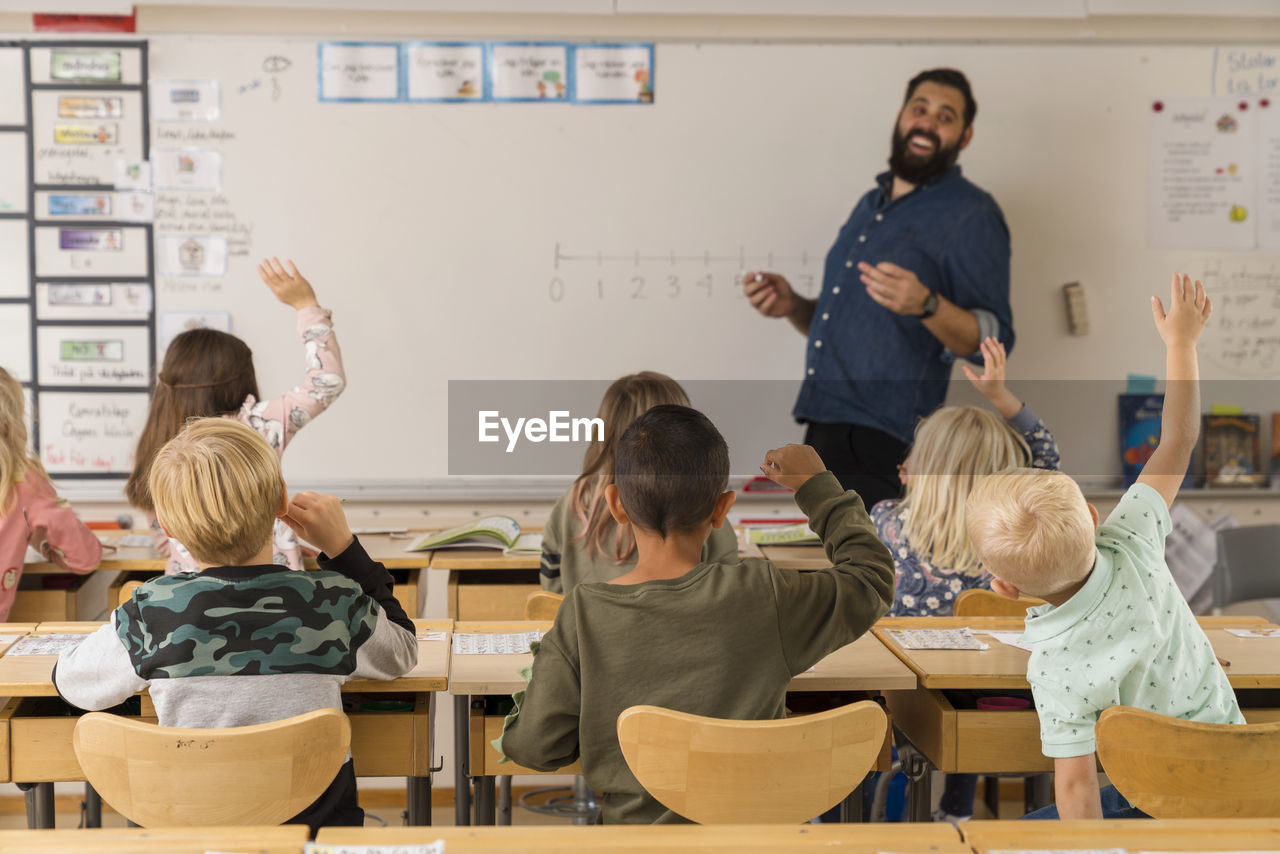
(494, 644)
(1008, 638)
(431, 636)
(46, 644)
(1255, 633)
(937, 639)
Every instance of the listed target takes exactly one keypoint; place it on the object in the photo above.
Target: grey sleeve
(97, 674)
(988, 327)
(391, 651)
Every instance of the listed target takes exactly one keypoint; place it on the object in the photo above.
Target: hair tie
(161, 378)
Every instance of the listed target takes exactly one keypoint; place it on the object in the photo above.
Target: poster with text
(191, 254)
(1269, 179)
(74, 250)
(1202, 190)
(86, 149)
(359, 71)
(522, 71)
(186, 168)
(90, 433)
(442, 71)
(15, 343)
(185, 101)
(92, 301)
(613, 74)
(94, 356)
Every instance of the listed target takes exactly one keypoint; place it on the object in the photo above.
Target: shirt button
(848, 263)
(879, 217)
(862, 238)
(817, 343)
(811, 372)
(825, 315)
(836, 289)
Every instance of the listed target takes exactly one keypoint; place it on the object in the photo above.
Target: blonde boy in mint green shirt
(1116, 630)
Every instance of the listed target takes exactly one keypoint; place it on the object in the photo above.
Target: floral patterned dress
(925, 590)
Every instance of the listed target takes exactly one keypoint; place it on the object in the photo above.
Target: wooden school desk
(972, 741)
(864, 665)
(278, 839)
(37, 726)
(664, 839)
(1179, 834)
(138, 563)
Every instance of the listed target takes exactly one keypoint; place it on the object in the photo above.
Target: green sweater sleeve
(821, 611)
(542, 731)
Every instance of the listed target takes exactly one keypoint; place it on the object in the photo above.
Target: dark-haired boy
(715, 639)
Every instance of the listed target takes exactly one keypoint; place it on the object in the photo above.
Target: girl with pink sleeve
(209, 373)
(31, 513)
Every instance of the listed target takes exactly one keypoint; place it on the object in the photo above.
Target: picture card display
(524, 71)
(359, 71)
(92, 301)
(444, 71)
(94, 356)
(70, 251)
(613, 74)
(90, 433)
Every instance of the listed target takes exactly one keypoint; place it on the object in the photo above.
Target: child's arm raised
(821, 611)
(1180, 327)
(279, 419)
(991, 385)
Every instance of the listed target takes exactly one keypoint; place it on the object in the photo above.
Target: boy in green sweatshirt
(717, 639)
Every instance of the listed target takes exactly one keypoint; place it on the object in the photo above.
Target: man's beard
(914, 169)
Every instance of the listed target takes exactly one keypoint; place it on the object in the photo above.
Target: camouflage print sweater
(243, 645)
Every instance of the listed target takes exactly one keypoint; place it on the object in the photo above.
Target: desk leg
(1037, 791)
(504, 800)
(851, 806)
(919, 781)
(40, 805)
(462, 760)
(484, 801)
(92, 807)
(420, 801)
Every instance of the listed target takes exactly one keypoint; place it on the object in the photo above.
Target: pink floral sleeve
(279, 419)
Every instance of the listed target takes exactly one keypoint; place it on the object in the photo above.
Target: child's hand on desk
(318, 518)
(288, 285)
(792, 465)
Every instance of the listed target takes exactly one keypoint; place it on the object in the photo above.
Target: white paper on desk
(431, 636)
(33, 556)
(135, 541)
(108, 540)
(516, 643)
(436, 847)
(1007, 638)
(385, 529)
(937, 639)
(4, 639)
(1260, 632)
(46, 644)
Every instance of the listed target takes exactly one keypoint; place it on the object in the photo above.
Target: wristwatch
(930, 306)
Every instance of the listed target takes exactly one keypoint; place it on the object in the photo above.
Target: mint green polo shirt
(1127, 638)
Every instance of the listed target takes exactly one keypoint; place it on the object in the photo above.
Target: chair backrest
(1171, 768)
(542, 605)
(785, 771)
(126, 591)
(984, 603)
(171, 777)
(1248, 564)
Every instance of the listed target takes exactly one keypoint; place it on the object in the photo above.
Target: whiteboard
(538, 242)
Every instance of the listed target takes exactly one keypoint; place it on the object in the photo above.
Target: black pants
(862, 458)
(338, 806)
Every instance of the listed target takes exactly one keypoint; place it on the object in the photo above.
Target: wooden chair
(126, 591)
(984, 603)
(171, 777)
(1171, 768)
(542, 605)
(785, 771)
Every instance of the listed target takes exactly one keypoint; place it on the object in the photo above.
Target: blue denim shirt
(863, 363)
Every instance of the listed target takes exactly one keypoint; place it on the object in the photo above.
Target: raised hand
(318, 519)
(991, 382)
(1189, 309)
(287, 284)
(792, 465)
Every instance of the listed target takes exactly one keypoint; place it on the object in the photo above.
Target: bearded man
(917, 276)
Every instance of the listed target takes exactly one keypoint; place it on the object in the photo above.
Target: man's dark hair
(672, 466)
(946, 77)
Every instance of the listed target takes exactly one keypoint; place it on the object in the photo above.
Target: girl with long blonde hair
(924, 530)
(581, 541)
(31, 513)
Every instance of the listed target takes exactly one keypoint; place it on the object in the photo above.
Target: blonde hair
(953, 447)
(15, 458)
(217, 488)
(1031, 528)
(626, 399)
